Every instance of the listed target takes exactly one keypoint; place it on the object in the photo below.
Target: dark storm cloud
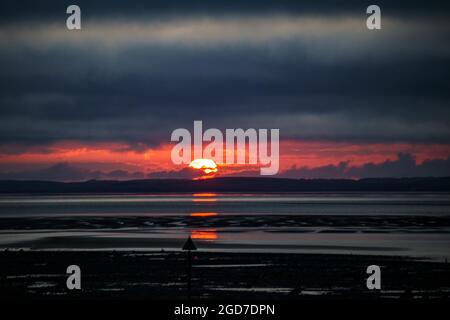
(51, 9)
(141, 101)
(64, 171)
(404, 166)
(285, 67)
(57, 172)
(185, 173)
(67, 172)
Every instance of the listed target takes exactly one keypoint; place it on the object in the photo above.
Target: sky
(101, 102)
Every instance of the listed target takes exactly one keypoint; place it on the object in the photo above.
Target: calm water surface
(242, 222)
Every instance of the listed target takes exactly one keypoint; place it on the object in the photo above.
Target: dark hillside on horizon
(230, 185)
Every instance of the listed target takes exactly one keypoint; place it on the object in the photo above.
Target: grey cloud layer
(274, 65)
(51, 9)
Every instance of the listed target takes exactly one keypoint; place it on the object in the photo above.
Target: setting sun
(207, 165)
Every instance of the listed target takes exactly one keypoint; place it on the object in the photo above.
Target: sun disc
(208, 166)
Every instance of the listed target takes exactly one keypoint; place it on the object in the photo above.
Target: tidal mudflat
(162, 275)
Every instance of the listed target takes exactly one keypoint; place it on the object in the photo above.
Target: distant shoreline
(229, 184)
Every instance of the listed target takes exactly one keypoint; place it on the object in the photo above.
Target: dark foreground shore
(217, 275)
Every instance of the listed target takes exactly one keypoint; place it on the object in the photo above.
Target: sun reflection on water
(204, 234)
(204, 197)
(203, 214)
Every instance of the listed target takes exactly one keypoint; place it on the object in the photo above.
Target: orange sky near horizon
(292, 153)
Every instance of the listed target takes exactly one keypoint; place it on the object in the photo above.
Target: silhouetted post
(189, 246)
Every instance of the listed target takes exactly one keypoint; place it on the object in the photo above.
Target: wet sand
(162, 275)
(210, 220)
(418, 236)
